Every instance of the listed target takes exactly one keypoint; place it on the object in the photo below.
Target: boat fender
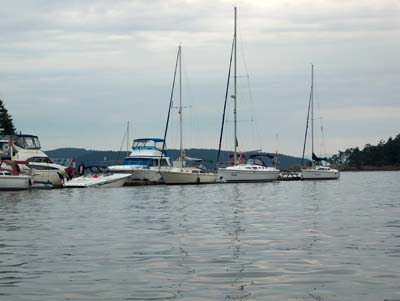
(6, 147)
(198, 179)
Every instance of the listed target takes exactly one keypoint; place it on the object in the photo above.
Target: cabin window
(139, 161)
(164, 162)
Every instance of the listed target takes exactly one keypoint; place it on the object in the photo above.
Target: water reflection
(235, 271)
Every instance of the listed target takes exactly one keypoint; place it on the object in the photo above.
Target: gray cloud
(74, 72)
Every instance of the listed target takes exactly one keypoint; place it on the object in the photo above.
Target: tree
(6, 122)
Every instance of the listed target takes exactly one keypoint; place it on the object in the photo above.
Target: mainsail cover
(315, 158)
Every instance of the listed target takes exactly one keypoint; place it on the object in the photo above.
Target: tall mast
(127, 138)
(180, 103)
(235, 97)
(312, 110)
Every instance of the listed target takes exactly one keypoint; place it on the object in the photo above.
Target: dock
(289, 176)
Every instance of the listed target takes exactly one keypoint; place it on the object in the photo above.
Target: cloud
(87, 67)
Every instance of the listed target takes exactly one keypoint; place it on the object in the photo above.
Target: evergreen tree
(6, 122)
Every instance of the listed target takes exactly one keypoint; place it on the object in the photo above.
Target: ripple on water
(268, 241)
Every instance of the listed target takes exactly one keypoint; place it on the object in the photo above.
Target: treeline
(6, 121)
(384, 154)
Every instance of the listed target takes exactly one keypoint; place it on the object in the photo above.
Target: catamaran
(251, 170)
(181, 173)
(316, 171)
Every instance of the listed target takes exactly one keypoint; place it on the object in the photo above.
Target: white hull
(44, 176)
(140, 175)
(21, 182)
(242, 175)
(187, 176)
(104, 181)
(315, 174)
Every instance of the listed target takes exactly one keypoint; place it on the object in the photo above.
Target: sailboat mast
(235, 96)
(312, 110)
(127, 139)
(180, 104)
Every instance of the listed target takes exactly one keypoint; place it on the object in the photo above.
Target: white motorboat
(11, 179)
(22, 147)
(241, 171)
(317, 171)
(181, 173)
(144, 163)
(98, 178)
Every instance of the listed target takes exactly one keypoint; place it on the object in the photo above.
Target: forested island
(383, 156)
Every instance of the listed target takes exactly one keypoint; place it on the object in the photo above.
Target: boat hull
(21, 182)
(176, 177)
(140, 176)
(312, 174)
(51, 176)
(107, 181)
(231, 175)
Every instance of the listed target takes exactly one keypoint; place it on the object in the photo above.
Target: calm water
(327, 240)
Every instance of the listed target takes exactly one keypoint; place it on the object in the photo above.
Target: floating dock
(290, 176)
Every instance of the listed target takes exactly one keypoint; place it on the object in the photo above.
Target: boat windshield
(255, 162)
(28, 142)
(148, 144)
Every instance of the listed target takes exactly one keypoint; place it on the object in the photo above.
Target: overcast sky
(74, 72)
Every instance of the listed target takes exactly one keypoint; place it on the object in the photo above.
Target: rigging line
(122, 144)
(305, 136)
(256, 132)
(189, 96)
(170, 104)
(226, 98)
(323, 142)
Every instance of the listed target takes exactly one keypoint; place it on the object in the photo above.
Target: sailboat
(181, 173)
(316, 171)
(242, 170)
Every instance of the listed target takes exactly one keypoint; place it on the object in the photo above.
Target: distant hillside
(106, 158)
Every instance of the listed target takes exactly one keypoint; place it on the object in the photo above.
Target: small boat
(11, 179)
(317, 171)
(252, 170)
(144, 163)
(181, 173)
(98, 177)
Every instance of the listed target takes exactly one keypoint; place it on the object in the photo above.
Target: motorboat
(317, 170)
(181, 173)
(248, 170)
(97, 177)
(23, 147)
(144, 163)
(252, 170)
(10, 177)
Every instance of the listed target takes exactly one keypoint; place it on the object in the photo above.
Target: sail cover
(315, 158)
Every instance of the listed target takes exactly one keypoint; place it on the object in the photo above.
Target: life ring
(6, 147)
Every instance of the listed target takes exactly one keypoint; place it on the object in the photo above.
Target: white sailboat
(252, 170)
(316, 171)
(180, 173)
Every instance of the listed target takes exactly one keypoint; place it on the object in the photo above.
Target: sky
(75, 72)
